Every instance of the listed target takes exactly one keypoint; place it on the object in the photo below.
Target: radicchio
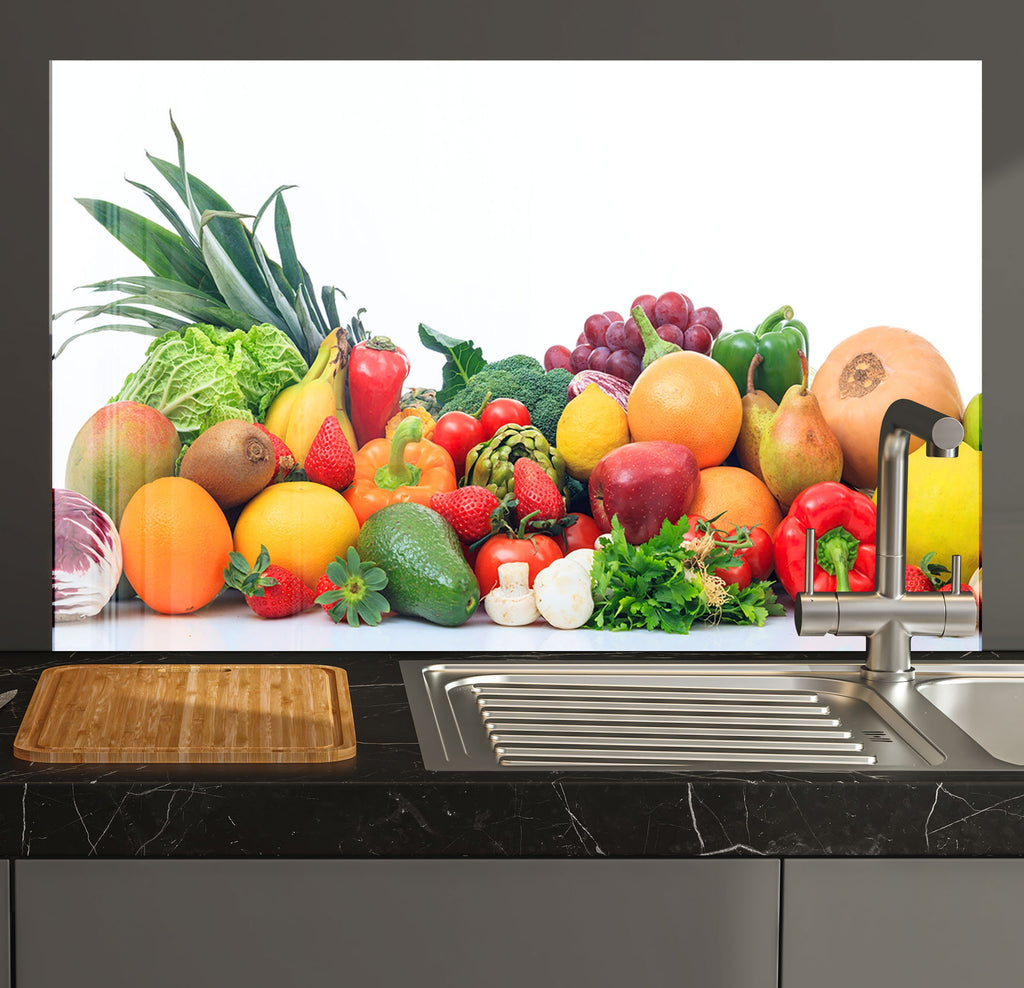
(86, 556)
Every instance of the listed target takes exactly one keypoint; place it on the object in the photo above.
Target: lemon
(944, 508)
(592, 424)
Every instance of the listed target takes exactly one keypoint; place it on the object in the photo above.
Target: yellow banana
(297, 413)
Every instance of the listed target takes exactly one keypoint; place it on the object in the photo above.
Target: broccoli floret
(523, 378)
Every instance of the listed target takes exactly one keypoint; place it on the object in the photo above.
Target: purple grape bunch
(613, 345)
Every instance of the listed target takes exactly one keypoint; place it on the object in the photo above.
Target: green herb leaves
(663, 584)
(464, 359)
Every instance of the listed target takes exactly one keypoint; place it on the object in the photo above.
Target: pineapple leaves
(117, 327)
(163, 252)
(209, 266)
(172, 217)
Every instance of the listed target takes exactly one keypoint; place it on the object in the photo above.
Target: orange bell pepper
(403, 468)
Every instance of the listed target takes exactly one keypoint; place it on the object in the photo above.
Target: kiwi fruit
(233, 460)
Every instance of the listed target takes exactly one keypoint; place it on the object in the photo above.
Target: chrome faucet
(889, 616)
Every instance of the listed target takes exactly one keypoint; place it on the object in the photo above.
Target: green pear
(972, 423)
(798, 449)
(758, 409)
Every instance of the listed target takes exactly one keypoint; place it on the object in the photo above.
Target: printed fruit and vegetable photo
(503, 356)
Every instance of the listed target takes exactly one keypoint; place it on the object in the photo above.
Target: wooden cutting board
(188, 713)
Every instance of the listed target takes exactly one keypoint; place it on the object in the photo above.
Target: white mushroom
(585, 557)
(563, 594)
(512, 603)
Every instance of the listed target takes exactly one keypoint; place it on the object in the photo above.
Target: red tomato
(538, 551)
(501, 412)
(738, 574)
(458, 432)
(693, 532)
(583, 534)
(760, 557)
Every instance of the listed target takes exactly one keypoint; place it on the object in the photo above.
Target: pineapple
(211, 270)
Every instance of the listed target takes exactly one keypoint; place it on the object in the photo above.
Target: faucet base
(886, 675)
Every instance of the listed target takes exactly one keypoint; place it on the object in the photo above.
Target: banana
(297, 413)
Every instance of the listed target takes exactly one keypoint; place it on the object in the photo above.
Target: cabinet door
(5, 924)
(939, 923)
(397, 923)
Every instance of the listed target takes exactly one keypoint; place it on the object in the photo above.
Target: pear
(798, 449)
(758, 409)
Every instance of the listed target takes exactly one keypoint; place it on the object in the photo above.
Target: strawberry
(271, 591)
(330, 460)
(918, 580)
(350, 590)
(468, 510)
(284, 461)
(964, 588)
(323, 585)
(535, 491)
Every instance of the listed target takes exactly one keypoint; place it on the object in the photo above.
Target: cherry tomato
(501, 412)
(583, 534)
(738, 574)
(538, 551)
(458, 432)
(693, 532)
(761, 555)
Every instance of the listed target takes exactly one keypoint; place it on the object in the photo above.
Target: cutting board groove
(188, 713)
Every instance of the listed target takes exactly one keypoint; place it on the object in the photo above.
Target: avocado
(428, 575)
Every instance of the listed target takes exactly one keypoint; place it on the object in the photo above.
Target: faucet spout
(942, 435)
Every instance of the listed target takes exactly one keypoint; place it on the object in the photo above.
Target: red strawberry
(284, 461)
(324, 584)
(330, 461)
(271, 591)
(917, 580)
(535, 491)
(964, 588)
(468, 510)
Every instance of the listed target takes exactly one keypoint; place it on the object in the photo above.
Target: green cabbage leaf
(206, 374)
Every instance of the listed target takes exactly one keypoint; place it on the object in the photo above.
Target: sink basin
(990, 710)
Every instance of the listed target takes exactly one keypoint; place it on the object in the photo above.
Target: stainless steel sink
(990, 710)
(511, 715)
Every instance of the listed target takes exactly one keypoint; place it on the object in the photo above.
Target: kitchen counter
(384, 803)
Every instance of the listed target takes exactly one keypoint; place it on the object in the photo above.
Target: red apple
(643, 484)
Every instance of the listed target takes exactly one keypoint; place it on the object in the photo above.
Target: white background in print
(506, 201)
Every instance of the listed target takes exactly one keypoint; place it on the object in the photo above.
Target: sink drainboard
(561, 725)
(601, 720)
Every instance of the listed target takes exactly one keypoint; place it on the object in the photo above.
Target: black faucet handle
(809, 552)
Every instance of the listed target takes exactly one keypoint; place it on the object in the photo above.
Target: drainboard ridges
(588, 726)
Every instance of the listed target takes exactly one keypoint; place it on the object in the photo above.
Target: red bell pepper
(377, 369)
(844, 524)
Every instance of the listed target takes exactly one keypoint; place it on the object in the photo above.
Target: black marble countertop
(384, 803)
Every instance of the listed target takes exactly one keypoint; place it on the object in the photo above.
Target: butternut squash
(863, 375)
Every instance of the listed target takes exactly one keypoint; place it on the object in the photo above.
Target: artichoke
(425, 398)
(489, 464)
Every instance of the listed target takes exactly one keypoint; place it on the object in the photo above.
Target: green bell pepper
(778, 339)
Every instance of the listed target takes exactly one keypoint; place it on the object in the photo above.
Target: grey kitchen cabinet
(5, 924)
(546, 923)
(847, 923)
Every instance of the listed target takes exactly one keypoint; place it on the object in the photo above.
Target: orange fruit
(688, 398)
(302, 524)
(744, 498)
(175, 541)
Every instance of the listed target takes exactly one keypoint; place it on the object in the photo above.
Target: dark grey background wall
(589, 29)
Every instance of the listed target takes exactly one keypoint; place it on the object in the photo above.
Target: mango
(120, 447)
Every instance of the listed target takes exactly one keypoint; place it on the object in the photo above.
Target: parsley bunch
(667, 584)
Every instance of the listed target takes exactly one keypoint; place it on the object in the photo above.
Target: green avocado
(428, 576)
